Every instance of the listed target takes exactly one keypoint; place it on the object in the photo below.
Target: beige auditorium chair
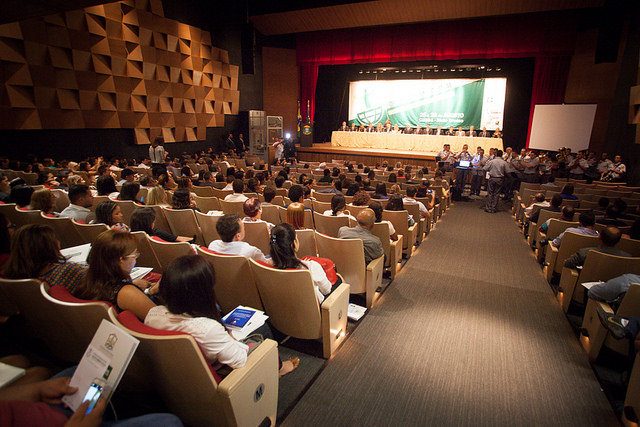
(81, 318)
(291, 303)
(323, 197)
(392, 249)
(147, 256)
(423, 224)
(24, 217)
(597, 266)
(399, 219)
(65, 231)
(348, 257)
(89, 232)
(207, 224)
(271, 214)
(191, 389)
(40, 322)
(306, 243)
(330, 225)
(257, 234)
(232, 208)
(534, 227)
(571, 242)
(206, 204)
(62, 200)
(234, 281)
(167, 252)
(183, 223)
(598, 336)
(204, 191)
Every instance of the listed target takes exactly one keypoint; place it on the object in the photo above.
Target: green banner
(446, 105)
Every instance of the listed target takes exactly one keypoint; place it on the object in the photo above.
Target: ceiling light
(360, 72)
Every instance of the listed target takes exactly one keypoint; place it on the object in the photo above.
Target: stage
(325, 152)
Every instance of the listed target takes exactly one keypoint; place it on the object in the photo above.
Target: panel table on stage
(425, 143)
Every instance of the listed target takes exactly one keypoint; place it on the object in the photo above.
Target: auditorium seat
(167, 252)
(65, 231)
(270, 214)
(127, 207)
(232, 208)
(81, 319)
(207, 224)
(570, 244)
(306, 243)
(183, 223)
(399, 219)
(89, 232)
(330, 225)
(257, 234)
(235, 284)
(38, 320)
(348, 257)
(597, 335)
(291, 303)
(597, 266)
(206, 204)
(148, 257)
(534, 227)
(24, 217)
(189, 386)
(323, 197)
(392, 249)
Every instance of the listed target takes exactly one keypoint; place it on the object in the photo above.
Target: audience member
(130, 191)
(21, 195)
(283, 256)
(81, 200)
(567, 192)
(156, 196)
(231, 231)
(609, 237)
(410, 199)
(371, 244)
(236, 196)
(252, 209)
(109, 213)
(106, 186)
(112, 257)
(377, 209)
(395, 204)
(187, 287)
(35, 253)
(586, 220)
(144, 219)
(381, 192)
(613, 289)
(182, 199)
(43, 200)
(295, 215)
(567, 215)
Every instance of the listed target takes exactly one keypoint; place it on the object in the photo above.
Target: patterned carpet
(469, 333)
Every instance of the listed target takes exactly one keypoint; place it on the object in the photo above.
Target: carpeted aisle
(469, 333)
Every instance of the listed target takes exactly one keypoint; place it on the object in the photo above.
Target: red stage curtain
(550, 38)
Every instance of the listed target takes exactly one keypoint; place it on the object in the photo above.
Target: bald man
(372, 245)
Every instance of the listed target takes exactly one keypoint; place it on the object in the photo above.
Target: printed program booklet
(242, 321)
(106, 358)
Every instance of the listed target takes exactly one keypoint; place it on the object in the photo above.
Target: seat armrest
(373, 278)
(597, 332)
(334, 319)
(568, 282)
(258, 377)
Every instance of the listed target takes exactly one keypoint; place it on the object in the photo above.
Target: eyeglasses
(136, 255)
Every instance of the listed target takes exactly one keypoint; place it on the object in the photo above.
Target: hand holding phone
(93, 394)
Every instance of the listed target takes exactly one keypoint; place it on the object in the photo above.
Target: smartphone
(94, 393)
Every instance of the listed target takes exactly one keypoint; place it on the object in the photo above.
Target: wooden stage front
(325, 152)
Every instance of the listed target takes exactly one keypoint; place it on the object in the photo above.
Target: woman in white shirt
(339, 207)
(187, 287)
(283, 256)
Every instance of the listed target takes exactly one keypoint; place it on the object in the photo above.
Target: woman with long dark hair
(283, 256)
(187, 287)
(112, 257)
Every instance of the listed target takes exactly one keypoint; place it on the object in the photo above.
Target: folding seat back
(306, 243)
(62, 200)
(232, 208)
(257, 234)
(23, 217)
(204, 191)
(183, 223)
(89, 232)
(400, 221)
(161, 220)
(147, 256)
(321, 206)
(235, 284)
(348, 256)
(323, 197)
(207, 224)
(271, 214)
(206, 204)
(65, 231)
(392, 249)
(631, 246)
(81, 319)
(330, 225)
(291, 303)
(167, 252)
(189, 386)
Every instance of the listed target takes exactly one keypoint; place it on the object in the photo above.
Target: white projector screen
(556, 126)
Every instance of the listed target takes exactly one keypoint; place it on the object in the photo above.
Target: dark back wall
(332, 93)
(224, 20)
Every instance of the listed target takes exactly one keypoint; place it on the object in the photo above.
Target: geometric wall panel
(117, 65)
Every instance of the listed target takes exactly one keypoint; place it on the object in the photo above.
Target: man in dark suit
(229, 144)
(344, 127)
(451, 131)
(484, 133)
(472, 131)
(370, 128)
(408, 130)
(427, 130)
(240, 147)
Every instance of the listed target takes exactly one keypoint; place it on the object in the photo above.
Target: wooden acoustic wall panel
(117, 65)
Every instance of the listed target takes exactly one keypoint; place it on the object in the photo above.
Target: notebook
(464, 163)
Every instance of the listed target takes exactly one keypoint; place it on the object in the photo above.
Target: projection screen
(556, 126)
